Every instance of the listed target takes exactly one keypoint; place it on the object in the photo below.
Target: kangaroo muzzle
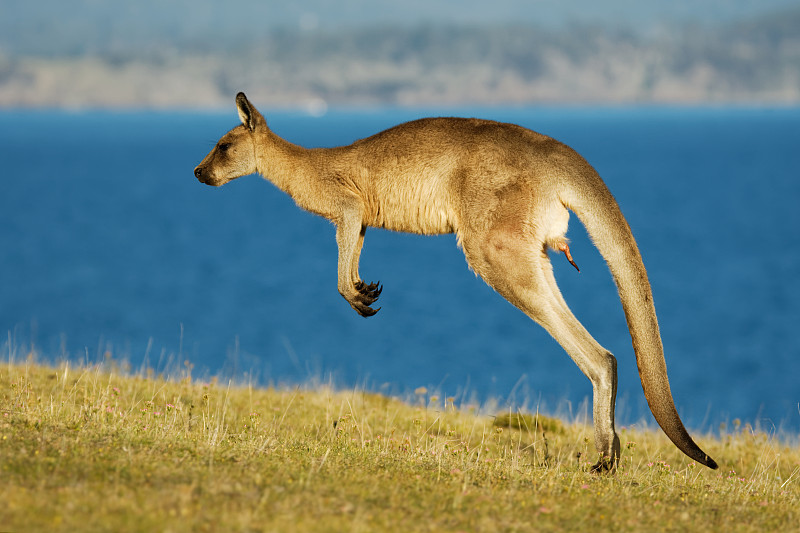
(203, 176)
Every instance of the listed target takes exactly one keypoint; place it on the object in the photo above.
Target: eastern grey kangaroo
(506, 192)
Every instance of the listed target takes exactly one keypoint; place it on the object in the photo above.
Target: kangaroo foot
(604, 466)
(608, 460)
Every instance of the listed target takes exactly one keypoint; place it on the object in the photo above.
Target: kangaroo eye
(223, 147)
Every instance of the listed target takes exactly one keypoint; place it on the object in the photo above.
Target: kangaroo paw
(371, 290)
(363, 297)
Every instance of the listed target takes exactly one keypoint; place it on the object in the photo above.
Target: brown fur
(506, 192)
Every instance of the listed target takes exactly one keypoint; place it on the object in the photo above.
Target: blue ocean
(109, 245)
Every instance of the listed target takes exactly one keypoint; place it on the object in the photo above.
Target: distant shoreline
(302, 109)
(754, 62)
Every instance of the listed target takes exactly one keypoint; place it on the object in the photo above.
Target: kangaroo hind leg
(597, 363)
(523, 275)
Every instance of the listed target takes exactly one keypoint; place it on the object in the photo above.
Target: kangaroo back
(599, 212)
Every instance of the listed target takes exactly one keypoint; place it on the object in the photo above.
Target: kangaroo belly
(555, 223)
(423, 207)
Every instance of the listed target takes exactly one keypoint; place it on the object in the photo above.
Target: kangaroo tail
(599, 212)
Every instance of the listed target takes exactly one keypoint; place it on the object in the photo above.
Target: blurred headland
(198, 54)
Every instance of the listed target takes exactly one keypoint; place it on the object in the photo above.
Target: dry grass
(92, 449)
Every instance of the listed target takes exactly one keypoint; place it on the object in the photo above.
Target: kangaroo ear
(248, 114)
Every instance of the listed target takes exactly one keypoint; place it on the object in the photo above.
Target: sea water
(108, 244)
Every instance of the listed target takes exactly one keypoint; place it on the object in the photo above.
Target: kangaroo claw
(364, 310)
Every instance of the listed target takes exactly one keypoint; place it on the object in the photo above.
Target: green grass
(94, 449)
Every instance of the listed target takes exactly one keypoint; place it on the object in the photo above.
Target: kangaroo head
(235, 153)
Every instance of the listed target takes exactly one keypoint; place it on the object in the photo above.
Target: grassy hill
(98, 449)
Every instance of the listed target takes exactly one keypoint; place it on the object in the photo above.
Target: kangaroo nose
(198, 173)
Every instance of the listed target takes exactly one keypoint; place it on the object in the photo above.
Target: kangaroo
(506, 192)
